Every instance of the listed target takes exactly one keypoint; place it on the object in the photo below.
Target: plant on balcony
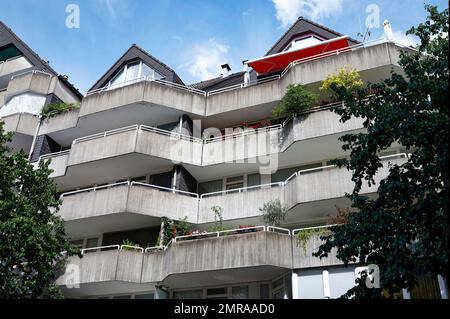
(128, 242)
(173, 228)
(274, 213)
(296, 100)
(32, 235)
(54, 109)
(218, 219)
(303, 236)
(347, 79)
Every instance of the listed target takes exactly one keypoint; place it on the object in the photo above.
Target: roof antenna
(365, 35)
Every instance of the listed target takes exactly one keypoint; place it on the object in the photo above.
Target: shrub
(348, 79)
(274, 212)
(296, 100)
(127, 242)
(54, 109)
(218, 219)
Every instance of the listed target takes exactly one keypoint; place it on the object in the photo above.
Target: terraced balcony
(162, 101)
(259, 253)
(310, 195)
(264, 149)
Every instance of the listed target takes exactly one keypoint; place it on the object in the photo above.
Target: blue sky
(194, 37)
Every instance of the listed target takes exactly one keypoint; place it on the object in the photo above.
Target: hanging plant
(303, 236)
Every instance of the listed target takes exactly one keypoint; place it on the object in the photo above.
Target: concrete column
(406, 294)
(326, 284)
(443, 287)
(295, 292)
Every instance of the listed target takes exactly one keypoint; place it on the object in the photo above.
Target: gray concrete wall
(14, 65)
(59, 165)
(238, 205)
(303, 258)
(103, 147)
(169, 147)
(59, 122)
(201, 255)
(153, 202)
(95, 203)
(33, 82)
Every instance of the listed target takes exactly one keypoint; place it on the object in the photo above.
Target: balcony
(259, 253)
(158, 101)
(310, 195)
(263, 149)
(124, 206)
(14, 65)
(34, 81)
(24, 126)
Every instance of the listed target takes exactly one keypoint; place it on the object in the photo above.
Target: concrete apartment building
(144, 145)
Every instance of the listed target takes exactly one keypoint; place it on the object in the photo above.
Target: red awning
(279, 61)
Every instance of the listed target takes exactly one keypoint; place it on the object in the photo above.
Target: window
(234, 183)
(310, 284)
(239, 292)
(133, 71)
(216, 293)
(77, 243)
(8, 52)
(145, 296)
(264, 291)
(210, 187)
(304, 42)
(188, 294)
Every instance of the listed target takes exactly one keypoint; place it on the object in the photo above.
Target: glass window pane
(132, 71)
(150, 73)
(92, 242)
(188, 294)
(239, 292)
(310, 285)
(264, 291)
(210, 187)
(253, 180)
(341, 280)
(119, 78)
(122, 297)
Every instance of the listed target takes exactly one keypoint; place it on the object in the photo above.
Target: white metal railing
(166, 189)
(52, 155)
(244, 85)
(109, 247)
(146, 79)
(31, 72)
(242, 189)
(244, 132)
(130, 247)
(93, 189)
(275, 229)
(170, 133)
(219, 233)
(105, 134)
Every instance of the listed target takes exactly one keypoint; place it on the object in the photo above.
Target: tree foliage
(32, 236)
(405, 230)
(296, 100)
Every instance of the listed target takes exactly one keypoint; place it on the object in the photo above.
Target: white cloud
(406, 40)
(203, 60)
(287, 11)
(110, 7)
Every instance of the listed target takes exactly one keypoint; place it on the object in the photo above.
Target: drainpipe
(34, 138)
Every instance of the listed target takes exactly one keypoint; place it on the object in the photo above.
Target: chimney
(225, 70)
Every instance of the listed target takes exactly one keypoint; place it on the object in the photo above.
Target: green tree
(296, 100)
(32, 237)
(405, 229)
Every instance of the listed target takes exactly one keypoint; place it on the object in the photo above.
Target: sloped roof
(304, 26)
(7, 36)
(219, 82)
(135, 53)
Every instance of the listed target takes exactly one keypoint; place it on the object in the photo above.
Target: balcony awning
(279, 61)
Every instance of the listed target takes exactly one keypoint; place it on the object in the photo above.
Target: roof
(135, 53)
(304, 26)
(219, 82)
(7, 36)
